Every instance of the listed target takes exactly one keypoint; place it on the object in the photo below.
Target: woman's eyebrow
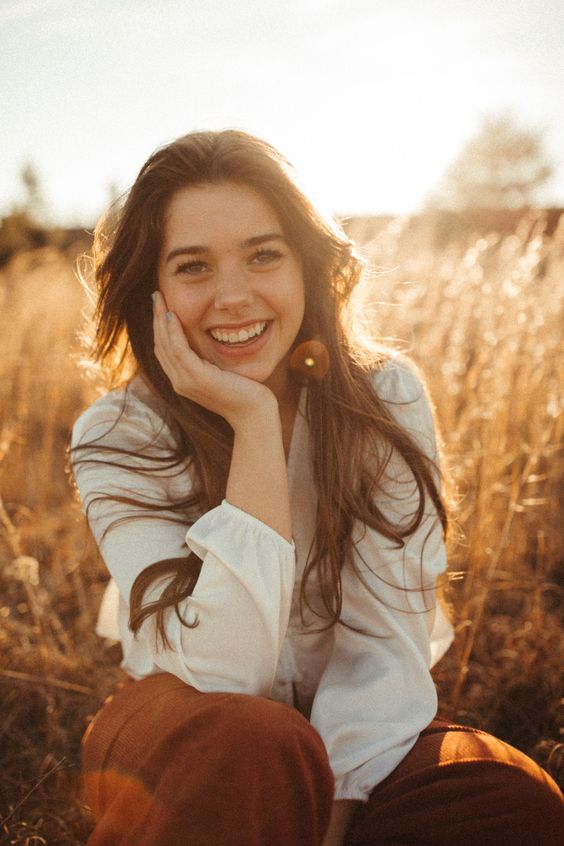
(196, 249)
(186, 251)
(260, 239)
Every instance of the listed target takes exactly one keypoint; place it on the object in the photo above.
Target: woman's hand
(258, 478)
(234, 397)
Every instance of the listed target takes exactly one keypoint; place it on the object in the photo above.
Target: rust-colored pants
(165, 765)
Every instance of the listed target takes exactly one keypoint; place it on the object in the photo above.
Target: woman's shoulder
(126, 417)
(397, 379)
(400, 384)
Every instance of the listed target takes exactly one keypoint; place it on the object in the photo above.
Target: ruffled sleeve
(376, 693)
(241, 600)
(120, 453)
(241, 603)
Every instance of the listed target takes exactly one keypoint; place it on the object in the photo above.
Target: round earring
(311, 359)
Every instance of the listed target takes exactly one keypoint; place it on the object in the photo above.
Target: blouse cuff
(351, 793)
(199, 534)
(347, 787)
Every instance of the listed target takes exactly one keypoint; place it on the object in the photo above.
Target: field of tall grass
(484, 318)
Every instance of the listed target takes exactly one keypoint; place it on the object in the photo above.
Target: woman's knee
(238, 740)
(162, 716)
(161, 736)
(261, 764)
(494, 794)
(254, 726)
(172, 746)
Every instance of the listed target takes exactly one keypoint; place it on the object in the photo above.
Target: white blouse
(368, 692)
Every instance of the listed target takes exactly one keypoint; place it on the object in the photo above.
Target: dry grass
(485, 322)
(53, 671)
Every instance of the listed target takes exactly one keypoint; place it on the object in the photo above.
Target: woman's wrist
(258, 477)
(341, 815)
(261, 416)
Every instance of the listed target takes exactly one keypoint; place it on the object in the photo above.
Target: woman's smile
(240, 341)
(229, 274)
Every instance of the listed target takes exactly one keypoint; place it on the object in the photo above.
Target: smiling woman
(237, 289)
(274, 540)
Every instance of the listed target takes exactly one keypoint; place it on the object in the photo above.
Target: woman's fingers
(164, 349)
(159, 304)
(186, 371)
(159, 309)
(160, 332)
(230, 395)
(165, 342)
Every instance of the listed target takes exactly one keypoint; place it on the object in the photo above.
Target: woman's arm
(243, 594)
(258, 480)
(341, 814)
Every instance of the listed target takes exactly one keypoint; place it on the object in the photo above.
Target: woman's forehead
(212, 213)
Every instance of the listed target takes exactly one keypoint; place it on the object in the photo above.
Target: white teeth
(240, 336)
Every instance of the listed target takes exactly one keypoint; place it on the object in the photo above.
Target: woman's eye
(266, 256)
(192, 267)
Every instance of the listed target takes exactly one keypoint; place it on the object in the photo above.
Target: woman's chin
(250, 370)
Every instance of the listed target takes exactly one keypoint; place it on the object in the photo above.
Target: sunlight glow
(370, 101)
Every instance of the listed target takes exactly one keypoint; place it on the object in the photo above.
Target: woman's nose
(233, 289)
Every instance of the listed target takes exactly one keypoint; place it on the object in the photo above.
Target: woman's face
(228, 273)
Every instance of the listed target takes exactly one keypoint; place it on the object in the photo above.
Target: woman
(265, 496)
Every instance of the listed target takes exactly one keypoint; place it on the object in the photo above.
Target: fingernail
(154, 296)
(169, 315)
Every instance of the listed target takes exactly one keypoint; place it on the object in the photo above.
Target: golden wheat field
(484, 318)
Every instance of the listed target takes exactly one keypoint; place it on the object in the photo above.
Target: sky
(370, 99)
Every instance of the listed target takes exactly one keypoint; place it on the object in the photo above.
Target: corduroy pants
(166, 765)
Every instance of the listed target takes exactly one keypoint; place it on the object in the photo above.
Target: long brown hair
(347, 419)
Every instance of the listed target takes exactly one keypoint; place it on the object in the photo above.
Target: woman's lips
(239, 349)
(241, 333)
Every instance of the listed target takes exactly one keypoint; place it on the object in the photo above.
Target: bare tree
(24, 227)
(34, 203)
(502, 167)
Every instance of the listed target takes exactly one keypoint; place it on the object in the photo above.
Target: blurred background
(370, 99)
(435, 131)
